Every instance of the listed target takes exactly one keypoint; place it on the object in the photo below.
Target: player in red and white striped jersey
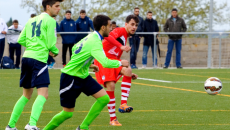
(113, 46)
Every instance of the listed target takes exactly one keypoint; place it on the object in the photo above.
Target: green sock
(37, 110)
(58, 119)
(95, 111)
(17, 111)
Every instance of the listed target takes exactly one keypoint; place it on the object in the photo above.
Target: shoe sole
(127, 110)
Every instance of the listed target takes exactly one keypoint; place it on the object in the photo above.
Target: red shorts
(107, 74)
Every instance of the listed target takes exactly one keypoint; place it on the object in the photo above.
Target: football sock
(17, 111)
(58, 120)
(37, 109)
(111, 105)
(95, 111)
(125, 89)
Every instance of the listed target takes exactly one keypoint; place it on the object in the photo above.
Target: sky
(12, 8)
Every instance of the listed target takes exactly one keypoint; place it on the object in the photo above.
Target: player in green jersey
(39, 37)
(75, 76)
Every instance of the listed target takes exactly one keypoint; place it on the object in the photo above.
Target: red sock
(111, 105)
(125, 89)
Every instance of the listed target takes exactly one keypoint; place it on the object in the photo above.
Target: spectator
(134, 40)
(68, 40)
(14, 46)
(174, 24)
(32, 15)
(51, 60)
(114, 25)
(150, 25)
(83, 24)
(3, 30)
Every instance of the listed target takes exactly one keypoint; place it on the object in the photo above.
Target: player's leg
(68, 97)
(102, 101)
(125, 89)
(111, 105)
(59, 118)
(19, 106)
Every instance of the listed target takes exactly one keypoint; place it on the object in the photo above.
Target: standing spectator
(134, 40)
(174, 24)
(51, 60)
(14, 46)
(3, 30)
(68, 40)
(114, 25)
(83, 24)
(150, 25)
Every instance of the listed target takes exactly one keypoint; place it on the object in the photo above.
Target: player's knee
(104, 99)
(110, 86)
(128, 71)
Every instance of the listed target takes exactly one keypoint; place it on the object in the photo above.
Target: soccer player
(39, 37)
(75, 77)
(113, 47)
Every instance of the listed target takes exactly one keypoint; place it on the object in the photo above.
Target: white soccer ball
(213, 85)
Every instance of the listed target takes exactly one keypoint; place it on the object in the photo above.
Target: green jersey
(39, 37)
(83, 54)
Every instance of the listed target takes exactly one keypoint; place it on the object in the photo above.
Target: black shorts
(34, 74)
(71, 87)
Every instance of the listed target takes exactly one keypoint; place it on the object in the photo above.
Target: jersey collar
(99, 35)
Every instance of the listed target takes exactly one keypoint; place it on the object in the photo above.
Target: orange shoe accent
(64, 65)
(125, 108)
(115, 123)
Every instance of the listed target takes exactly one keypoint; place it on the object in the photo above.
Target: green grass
(160, 106)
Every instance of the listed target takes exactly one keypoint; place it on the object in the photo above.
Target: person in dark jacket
(83, 24)
(150, 25)
(174, 24)
(68, 40)
(134, 40)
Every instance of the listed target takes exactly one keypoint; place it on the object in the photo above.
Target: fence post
(154, 49)
(220, 50)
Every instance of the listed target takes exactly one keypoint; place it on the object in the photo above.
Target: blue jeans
(145, 52)
(178, 52)
(134, 42)
(2, 46)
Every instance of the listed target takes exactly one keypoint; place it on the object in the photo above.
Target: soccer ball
(213, 85)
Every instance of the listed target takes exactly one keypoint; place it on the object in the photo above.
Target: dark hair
(136, 8)
(67, 11)
(114, 22)
(99, 21)
(82, 11)
(49, 2)
(32, 15)
(149, 12)
(174, 9)
(130, 17)
(15, 21)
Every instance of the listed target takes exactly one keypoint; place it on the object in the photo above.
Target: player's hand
(94, 67)
(125, 48)
(134, 76)
(124, 63)
(3, 32)
(52, 54)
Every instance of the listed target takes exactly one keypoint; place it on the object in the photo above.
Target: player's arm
(94, 67)
(98, 53)
(52, 37)
(116, 33)
(22, 37)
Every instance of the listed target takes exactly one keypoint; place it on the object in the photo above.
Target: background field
(179, 102)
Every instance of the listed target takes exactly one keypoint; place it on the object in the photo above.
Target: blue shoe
(51, 66)
(134, 67)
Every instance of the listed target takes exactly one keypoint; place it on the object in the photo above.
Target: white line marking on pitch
(164, 81)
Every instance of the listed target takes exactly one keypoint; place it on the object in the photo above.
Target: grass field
(176, 102)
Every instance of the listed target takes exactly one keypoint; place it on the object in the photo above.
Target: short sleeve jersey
(39, 37)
